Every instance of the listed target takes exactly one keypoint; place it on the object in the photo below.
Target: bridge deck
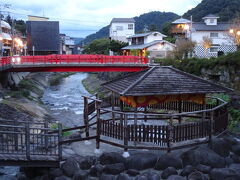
(75, 63)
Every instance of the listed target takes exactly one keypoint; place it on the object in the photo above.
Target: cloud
(90, 15)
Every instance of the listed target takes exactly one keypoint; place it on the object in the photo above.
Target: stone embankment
(220, 162)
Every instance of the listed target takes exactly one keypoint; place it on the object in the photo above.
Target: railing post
(15, 136)
(180, 111)
(59, 141)
(211, 128)
(98, 126)
(85, 116)
(170, 134)
(27, 140)
(125, 134)
(45, 134)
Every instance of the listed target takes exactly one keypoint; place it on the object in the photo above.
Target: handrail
(72, 59)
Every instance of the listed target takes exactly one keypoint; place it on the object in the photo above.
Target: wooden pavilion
(141, 100)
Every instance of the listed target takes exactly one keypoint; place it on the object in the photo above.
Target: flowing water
(65, 100)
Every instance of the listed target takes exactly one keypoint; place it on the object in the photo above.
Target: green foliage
(98, 46)
(116, 46)
(234, 120)
(225, 9)
(194, 65)
(170, 39)
(54, 126)
(19, 93)
(135, 52)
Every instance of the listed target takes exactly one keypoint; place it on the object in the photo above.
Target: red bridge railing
(72, 59)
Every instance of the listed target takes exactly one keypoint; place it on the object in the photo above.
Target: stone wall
(11, 79)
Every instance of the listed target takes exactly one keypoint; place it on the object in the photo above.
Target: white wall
(121, 35)
(152, 38)
(208, 21)
(222, 39)
(161, 47)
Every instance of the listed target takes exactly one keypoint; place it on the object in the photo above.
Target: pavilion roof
(162, 80)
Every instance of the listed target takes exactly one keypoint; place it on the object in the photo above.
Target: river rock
(86, 163)
(203, 168)
(196, 175)
(96, 170)
(235, 158)
(62, 178)
(168, 172)
(236, 167)
(55, 173)
(80, 175)
(132, 172)
(230, 140)
(70, 166)
(21, 176)
(187, 170)
(202, 155)
(236, 149)
(111, 158)
(123, 176)
(8, 177)
(175, 177)
(107, 177)
(223, 174)
(141, 161)
(114, 169)
(168, 160)
(221, 147)
(149, 175)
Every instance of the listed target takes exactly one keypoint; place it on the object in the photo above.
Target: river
(65, 101)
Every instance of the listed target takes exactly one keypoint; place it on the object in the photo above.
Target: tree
(152, 27)
(183, 48)
(234, 32)
(116, 46)
(98, 46)
(207, 43)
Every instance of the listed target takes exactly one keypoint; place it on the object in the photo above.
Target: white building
(151, 42)
(121, 29)
(66, 44)
(5, 39)
(218, 32)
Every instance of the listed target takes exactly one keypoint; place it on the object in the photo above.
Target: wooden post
(121, 115)
(27, 139)
(211, 130)
(170, 135)
(98, 125)
(180, 111)
(16, 135)
(125, 133)
(45, 134)
(135, 126)
(85, 116)
(113, 104)
(59, 141)
(145, 112)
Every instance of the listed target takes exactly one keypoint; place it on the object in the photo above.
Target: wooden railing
(205, 121)
(30, 140)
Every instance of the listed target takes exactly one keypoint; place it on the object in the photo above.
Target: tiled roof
(210, 16)
(142, 46)
(122, 20)
(145, 34)
(162, 80)
(201, 26)
(181, 21)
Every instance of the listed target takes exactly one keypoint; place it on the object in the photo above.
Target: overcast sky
(79, 18)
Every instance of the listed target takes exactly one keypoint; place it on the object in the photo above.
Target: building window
(213, 35)
(130, 26)
(119, 28)
(211, 21)
(214, 49)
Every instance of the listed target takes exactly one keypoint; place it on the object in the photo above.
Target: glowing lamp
(186, 27)
(231, 31)
(238, 33)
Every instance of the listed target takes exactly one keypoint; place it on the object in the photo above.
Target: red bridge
(72, 63)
